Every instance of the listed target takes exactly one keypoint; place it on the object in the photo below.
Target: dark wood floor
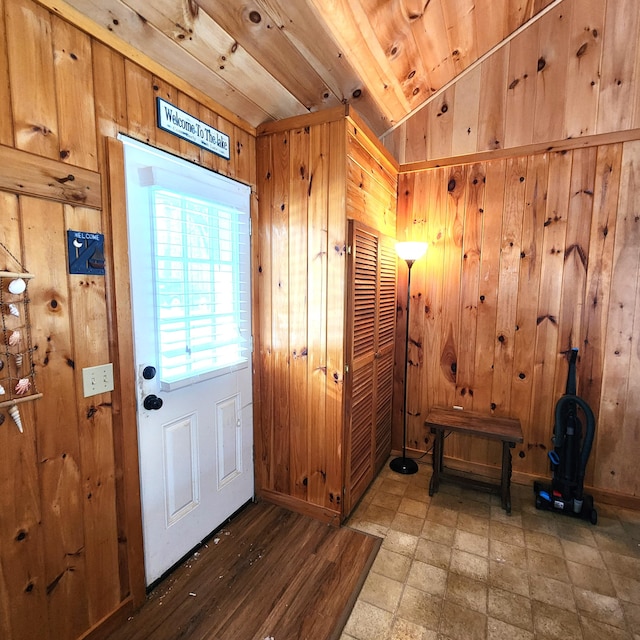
(268, 573)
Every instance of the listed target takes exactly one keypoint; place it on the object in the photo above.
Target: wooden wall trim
(31, 175)
(301, 506)
(371, 141)
(307, 120)
(124, 395)
(103, 629)
(367, 137)
(64, 10)
(595, 140)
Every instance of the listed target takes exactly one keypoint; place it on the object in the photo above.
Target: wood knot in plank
(576, 248)
(449, 358)
(193, 8)
(45, 131)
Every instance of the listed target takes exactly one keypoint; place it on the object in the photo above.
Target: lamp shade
(411, 251)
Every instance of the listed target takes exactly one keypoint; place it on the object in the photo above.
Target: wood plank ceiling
(271, 59)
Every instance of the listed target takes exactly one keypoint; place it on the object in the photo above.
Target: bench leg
(505, 481)
(434, 483)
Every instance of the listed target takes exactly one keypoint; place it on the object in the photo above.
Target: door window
(198, 278)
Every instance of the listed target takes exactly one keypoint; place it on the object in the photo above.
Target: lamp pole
(403, 464)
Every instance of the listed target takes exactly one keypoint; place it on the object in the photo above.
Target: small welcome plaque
(185, 126)
(85, 252)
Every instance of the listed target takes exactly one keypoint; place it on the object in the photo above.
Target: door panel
(229, 442)
(189, 265)
(371, 314)
(182, 487)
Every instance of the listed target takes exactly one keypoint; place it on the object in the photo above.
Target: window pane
(200, 286)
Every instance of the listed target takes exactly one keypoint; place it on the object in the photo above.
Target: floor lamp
(409, 252)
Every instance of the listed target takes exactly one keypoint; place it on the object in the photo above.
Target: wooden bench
(506, 430)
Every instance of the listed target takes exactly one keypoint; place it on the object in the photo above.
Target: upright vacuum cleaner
(569, 456)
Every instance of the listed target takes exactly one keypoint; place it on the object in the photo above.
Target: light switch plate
(97, 380)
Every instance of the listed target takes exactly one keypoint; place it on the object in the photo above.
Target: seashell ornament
(18, 357)
(2, 391)
(17, 286)
(15, 416)
(13, 310)
(23, 386)
(14, 338)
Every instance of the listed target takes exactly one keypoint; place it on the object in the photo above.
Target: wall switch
(97, 380)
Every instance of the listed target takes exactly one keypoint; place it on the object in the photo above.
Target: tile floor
(457, 567)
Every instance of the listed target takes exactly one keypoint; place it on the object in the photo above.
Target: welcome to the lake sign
(185, 126)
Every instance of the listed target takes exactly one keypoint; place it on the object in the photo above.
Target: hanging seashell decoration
(15, 416)
(17, 286)
(17, 375)
(23, 386)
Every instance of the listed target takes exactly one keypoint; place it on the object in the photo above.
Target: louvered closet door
(370, 341)
(385, 342)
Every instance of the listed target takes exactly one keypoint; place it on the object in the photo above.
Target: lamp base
(404, 465)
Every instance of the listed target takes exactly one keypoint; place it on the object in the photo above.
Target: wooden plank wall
(300, 280)
(529, 257)
(574, 73)
(313, 173)
(63, 543)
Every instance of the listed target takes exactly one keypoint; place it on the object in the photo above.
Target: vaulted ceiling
(271, 59)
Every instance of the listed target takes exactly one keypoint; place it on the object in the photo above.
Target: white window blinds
(201, 290)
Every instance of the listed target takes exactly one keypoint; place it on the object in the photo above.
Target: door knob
(152, 402)
(149, 373)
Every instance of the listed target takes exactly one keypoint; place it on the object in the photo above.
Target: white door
(189, 253)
